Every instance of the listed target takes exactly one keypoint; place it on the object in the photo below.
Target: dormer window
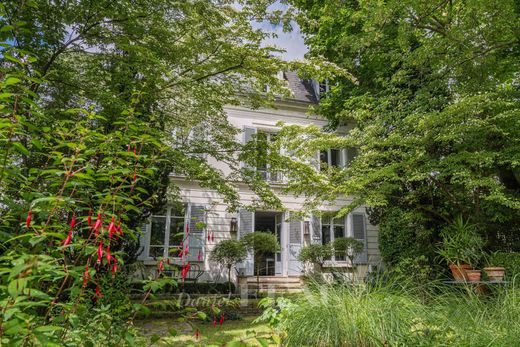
(323, 88)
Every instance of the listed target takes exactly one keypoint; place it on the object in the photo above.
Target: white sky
(291, 42)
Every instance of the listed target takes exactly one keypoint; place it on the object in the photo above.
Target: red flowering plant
(73, 190)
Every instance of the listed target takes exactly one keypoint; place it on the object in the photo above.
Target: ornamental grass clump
(390, 314)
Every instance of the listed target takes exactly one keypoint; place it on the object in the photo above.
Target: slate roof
(302, 90)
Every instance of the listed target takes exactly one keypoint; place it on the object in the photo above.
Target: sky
(292, 41)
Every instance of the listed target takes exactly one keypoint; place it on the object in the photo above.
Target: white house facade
(202, 219)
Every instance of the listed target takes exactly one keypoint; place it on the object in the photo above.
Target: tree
(434, 106)
(100, 102)
(349, 247)
(228, 253)
(315, 254)
(260, 244)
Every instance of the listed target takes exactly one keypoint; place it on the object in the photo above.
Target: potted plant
(461, 248)
(260, 243)
(493, 272)
(228, 253)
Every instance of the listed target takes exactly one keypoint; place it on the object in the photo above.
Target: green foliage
(260, 242)
(349, 247)
(100, 102)
(315, 254)
(402, 235)
(432, 108)
(461, 244)
(510, 261)
(275, 312)
(389, 314)
(228, 253)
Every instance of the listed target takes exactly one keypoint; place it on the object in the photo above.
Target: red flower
(199, 256)
(98, 292)
(114, 267)
(89, 218)
(221, 319)
(28, 219)
(100, 252)
(86, 276)
(72, 222)
(212, 236)
(209, 236)
(67, 240)
(184, 271)
(135, 177)
(197, 334)
(108, 255)
(119, 229)
(111, 228)
(98, 224)
(161, 266)
(214, 322)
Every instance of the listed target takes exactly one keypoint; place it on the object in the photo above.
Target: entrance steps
(271, 285)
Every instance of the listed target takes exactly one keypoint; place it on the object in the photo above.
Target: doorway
(270, 263)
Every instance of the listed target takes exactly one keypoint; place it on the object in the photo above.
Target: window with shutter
(360, 233)
(165, 232)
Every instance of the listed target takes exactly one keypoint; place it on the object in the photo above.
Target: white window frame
(166, 245)
(347, 233)
(268, 178)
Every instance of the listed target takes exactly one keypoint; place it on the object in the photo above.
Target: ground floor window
(167, 231)
(331, 229)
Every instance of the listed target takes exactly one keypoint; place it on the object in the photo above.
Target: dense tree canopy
(100, 101)
(434, 104)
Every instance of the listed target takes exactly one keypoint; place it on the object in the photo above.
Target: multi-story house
(203, 213)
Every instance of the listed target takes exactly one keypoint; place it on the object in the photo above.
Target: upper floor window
(338, 158)
(263, 146)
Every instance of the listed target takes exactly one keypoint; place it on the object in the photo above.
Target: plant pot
(495, 273)
(459, 271)
(473, 275)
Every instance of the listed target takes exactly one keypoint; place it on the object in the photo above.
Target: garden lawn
(244, 330)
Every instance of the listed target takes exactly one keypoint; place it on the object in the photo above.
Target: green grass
(236, 330)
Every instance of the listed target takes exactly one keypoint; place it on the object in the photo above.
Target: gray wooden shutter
(246, 225)
(295, 244)
(360, 233)
(249, 134)
(316, 229)
(196, 237)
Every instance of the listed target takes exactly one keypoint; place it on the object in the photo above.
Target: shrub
(228, 253)
(349, 247)
(315, 254)
(403, 235)
(260, 243)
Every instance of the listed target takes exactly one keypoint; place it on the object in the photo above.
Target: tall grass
(392, 314)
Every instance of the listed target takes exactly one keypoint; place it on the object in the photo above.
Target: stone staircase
(270, 285)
